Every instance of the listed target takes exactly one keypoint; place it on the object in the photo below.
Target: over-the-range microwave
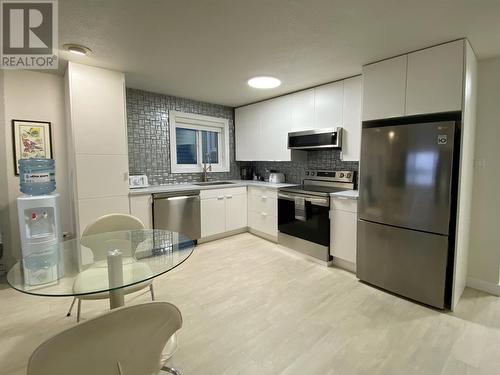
(315, 139)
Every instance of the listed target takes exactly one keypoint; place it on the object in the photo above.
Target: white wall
(4, 192)
(34, 96)
(466, 175)
(484, 251)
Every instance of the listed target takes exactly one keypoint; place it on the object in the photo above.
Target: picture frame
(31, 139)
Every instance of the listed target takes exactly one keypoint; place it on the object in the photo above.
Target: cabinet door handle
(264, 197)
(263, 214)
(229, 196)
(220, 197)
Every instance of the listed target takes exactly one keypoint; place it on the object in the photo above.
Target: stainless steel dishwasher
(178, 212)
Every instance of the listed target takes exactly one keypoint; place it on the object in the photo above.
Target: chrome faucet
(206, 169)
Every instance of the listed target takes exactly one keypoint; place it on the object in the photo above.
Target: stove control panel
(335, 176)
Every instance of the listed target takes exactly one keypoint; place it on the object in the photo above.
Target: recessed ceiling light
(264, 82)
(77, 49)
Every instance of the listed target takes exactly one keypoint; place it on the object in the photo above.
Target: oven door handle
(286, 196)
(318, 201)
(313, 200)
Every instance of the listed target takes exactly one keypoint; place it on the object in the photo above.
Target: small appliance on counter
(39, 221)
(276, 177)
(246, 173)
(139, 181)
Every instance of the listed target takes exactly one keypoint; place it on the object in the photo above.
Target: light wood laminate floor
(252, 307)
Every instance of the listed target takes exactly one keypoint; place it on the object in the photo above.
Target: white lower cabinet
(223, 210)
(140, 207)
(213, 217)
(263, 210)
(236, 211)
(343, 230)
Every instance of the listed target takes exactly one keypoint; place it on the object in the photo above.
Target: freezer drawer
(407, 262)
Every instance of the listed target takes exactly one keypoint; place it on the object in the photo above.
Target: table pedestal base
(116, 299)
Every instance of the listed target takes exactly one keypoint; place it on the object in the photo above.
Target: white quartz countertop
(349, 194)
(185, 187)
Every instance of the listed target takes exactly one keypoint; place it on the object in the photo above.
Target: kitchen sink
(210, 183)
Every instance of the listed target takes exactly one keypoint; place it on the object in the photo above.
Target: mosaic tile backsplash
(148, 135)
(149, 147)
(295, 171)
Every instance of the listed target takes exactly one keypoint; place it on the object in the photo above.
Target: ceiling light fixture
(77, 49)
(264, 82)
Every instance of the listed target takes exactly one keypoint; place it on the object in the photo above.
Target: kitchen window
(196, 140)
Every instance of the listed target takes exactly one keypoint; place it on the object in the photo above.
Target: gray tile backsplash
(148, 135)
(148, 142)
(316, 159)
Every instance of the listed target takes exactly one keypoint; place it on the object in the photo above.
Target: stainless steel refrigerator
(407, 209)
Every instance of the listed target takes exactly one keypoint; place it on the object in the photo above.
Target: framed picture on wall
(31, 139)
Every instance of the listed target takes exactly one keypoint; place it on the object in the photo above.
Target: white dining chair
(125, 341)
(93, 278)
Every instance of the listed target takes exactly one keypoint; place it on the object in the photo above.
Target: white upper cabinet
(98, 110)
(384, 87)
(302, 110)
(351, 135)
(247, 132)
(328, 105)
(434, 82)
(425, 81)
(274, 127)
(262, 128)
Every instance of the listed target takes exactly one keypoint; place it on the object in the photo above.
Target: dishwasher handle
(181, 197)
(177, 195)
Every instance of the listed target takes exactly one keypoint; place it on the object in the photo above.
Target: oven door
(305, 217)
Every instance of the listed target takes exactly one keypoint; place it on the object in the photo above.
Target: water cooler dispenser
(39, 221)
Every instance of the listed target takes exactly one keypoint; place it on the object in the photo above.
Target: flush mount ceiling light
(264, 82)
(77, 49)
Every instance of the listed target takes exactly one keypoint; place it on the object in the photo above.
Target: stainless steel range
(303, 212)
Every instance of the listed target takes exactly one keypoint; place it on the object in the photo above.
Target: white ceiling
(207, 49)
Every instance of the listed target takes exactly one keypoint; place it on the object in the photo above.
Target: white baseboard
(484, 286)
(263, 235)
(344, 264)
(221, 235)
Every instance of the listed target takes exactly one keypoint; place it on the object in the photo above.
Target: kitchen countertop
(349, 194)
(184, 187)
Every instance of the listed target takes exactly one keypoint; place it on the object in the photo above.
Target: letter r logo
(27, 27)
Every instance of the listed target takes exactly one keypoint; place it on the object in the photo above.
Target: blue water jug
(37, 176)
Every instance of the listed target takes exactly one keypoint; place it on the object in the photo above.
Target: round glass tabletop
(100, 263)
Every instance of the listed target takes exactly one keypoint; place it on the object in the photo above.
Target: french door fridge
(406, 220)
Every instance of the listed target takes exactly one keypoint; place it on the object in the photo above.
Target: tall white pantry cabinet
(97, 143)
(437, 79)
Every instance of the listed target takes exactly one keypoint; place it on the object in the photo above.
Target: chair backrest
(113, 223)
(125, 341)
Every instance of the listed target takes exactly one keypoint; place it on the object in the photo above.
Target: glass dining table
(102, 263)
